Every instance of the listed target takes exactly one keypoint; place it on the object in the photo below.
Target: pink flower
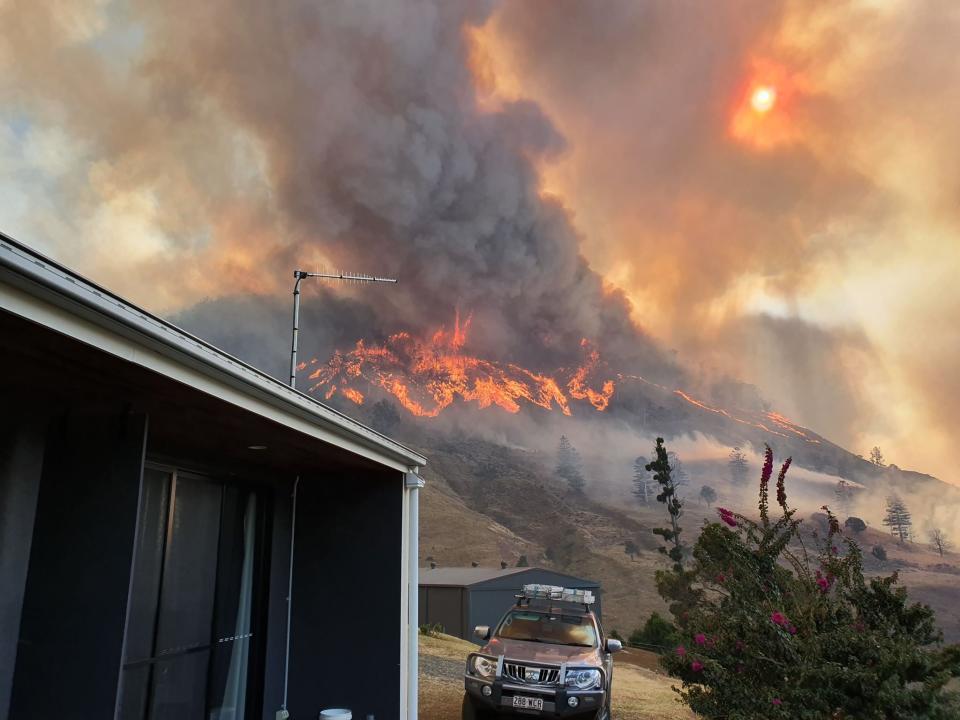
(778, 618)
(696, 666)
(727, 517)
(777, 701)
(721, 578)
(823, 583)
(700, 639)
(781, 482)
(681, 650)
(792, 630)
(740, 645)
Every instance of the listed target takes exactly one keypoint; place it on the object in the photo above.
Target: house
(460, 598)
(182, 536)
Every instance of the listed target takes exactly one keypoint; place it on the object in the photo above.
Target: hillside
(487, 503)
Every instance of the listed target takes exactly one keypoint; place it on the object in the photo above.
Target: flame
(428, 376)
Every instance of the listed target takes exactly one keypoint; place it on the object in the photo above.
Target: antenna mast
(302, 275)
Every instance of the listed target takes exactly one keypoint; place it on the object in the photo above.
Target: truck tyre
(472, 712)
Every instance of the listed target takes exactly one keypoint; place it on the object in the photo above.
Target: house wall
(347, 595)
(75, 599)
(21, 462)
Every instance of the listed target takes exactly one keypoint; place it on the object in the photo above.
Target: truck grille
(531, 674)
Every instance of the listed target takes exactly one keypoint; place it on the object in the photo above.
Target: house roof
(43, 291)
(470, 576)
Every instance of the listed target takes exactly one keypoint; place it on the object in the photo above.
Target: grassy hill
(486, 503)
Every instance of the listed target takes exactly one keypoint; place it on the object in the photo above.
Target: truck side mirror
(614, 645)
(482, 632)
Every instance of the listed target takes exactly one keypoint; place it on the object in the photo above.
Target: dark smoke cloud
(375, 157)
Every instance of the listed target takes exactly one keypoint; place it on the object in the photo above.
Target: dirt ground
(639, 691)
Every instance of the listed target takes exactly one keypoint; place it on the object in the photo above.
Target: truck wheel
(472, 712)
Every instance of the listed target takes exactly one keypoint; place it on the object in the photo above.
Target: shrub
(855, 524)
(615, 634)
(657, 633)
(768, 630)
(879, 553)
(434, 630)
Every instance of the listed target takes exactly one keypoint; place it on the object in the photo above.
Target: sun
(763, 98)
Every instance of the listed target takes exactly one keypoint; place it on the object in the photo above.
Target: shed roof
(43, 291)
(472, 576)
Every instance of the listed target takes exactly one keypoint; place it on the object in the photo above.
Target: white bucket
(336, 714)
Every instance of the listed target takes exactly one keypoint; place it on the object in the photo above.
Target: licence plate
(527, 703)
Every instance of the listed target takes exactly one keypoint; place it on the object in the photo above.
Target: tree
(844, 495)
(708, 495)
(384, 417)
(876, 457)
(768, 630)
(523, 562)
(657, 633)
(643, 484)
(897, 518)
(739, 467)
(631, 549)
(879, 553)
(663, 474)
(939, 541)
(569, 466)
(680, 476)
(855, 524)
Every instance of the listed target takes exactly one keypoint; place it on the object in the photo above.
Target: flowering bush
(770, 629)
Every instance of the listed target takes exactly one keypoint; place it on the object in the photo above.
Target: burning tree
(739, 467)
(898, 518)
(844, 496)
(939, 541)
(643, 484)
(569, 466)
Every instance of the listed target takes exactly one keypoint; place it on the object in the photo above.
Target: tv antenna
(302, 275)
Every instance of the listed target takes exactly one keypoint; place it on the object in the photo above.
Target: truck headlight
(583, 679)
(484, 667)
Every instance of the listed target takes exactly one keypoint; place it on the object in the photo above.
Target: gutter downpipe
(413, 483)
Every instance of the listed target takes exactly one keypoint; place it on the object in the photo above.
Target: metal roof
(469, 576)
(46, 283)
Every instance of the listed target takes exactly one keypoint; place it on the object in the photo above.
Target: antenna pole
(300, 275)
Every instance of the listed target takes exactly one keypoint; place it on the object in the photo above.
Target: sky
(763, 191)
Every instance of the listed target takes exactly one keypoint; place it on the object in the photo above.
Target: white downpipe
(413, 482)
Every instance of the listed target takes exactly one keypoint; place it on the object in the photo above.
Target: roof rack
(555, 593)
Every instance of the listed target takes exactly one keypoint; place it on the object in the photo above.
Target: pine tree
(897, 518)
(642, 482)
(663, 474)
(569, 466)
(876, 457)
(844, 495)
(739, 467)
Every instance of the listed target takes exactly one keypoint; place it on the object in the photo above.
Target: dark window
(195, 601)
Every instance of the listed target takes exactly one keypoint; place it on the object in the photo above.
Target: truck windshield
(546, 628)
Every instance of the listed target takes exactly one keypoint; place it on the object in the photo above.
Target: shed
(460, 598)
(178, 529)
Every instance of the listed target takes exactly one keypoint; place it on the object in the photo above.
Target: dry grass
(640, 693)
